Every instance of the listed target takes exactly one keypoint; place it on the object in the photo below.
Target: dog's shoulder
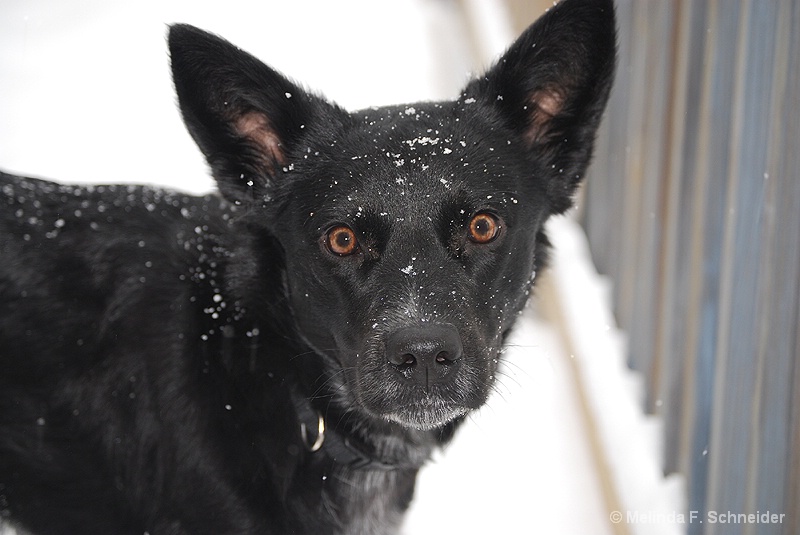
(79, 260)
(42, 221)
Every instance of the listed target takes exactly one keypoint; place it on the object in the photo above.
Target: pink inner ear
(545, 103)
(256, 127)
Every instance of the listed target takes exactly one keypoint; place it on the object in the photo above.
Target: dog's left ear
(245, 117)
(551, 87)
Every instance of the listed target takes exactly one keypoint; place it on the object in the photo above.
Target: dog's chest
(373, 501)
(361, 502)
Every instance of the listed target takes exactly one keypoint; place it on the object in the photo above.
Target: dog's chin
(426, 416)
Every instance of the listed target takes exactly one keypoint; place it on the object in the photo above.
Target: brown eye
(341, 241)
(483, 228)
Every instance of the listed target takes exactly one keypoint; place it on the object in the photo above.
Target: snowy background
(85, 96)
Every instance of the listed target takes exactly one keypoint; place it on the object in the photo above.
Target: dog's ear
(551, 87)
(244, 116)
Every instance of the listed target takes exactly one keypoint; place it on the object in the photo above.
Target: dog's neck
(367, 474)
(353, 443)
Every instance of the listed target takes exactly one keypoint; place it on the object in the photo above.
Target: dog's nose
(425, 354)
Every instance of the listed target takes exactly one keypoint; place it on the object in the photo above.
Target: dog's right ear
(551, 88)
(244, 116)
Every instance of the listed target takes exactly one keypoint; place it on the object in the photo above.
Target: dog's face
(411, 235)
(410, 247)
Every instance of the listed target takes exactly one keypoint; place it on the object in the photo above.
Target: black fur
(165, 359)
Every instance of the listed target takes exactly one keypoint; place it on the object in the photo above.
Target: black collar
(345, 446)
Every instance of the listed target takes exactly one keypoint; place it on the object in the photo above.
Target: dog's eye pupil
(483, 228)
(342, 241)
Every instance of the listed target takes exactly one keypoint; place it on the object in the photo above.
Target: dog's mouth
(412, 406)
(429, 412)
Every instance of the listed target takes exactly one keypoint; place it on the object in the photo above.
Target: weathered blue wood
(651, 205)
(713, 310)
(737, 377)
(678, 355)
(603, 200)
(778, 308)
(708, 212)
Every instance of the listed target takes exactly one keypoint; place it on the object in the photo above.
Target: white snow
(86, 95)
(631, 441)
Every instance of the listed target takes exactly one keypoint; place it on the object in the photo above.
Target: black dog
(284, 358)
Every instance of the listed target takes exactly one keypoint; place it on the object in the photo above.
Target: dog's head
(411, 235)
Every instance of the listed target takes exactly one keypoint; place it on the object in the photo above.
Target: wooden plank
(709, 176)
(780, 287)
(634, 152)
(779, 304)
(649, 207)
(602, 199)
(736, 375)
(688, 39)
(686, 310)
(791, 169)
